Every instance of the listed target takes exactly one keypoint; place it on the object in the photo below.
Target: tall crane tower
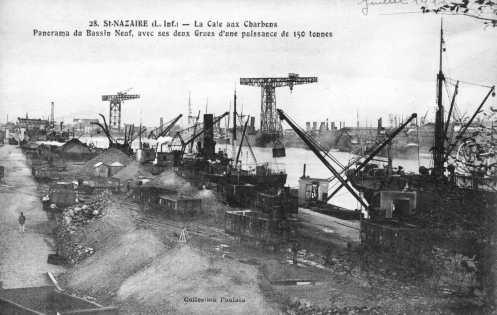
(270, 122)
(52, 117)
(115, 102)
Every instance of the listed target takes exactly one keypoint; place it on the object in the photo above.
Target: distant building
(107, 170)
(84, 121)
(85, 125)
(31, 128)
(32, 123)
(323, 126)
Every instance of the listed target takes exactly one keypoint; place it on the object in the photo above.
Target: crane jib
(120, 97)
(320, 156)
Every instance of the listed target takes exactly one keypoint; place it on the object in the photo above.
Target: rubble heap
(71, 220)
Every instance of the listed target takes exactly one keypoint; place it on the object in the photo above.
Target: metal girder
(270, 123)
(377, 150)
(291, 80)
(307, 139)
(157, 132)
(115, 114)
(241, 143)
(468, 123)
(115, 107)
(120, 97)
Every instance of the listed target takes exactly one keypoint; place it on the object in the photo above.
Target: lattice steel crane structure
(270, 123)
(115, 102)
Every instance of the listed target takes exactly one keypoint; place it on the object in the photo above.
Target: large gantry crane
(115, 102)
(271, 130)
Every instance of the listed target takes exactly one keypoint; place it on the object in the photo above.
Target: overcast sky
(375, 64)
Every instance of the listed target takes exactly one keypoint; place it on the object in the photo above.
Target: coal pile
(120, 257)
(161, 286)
(107, 157)
(71, 220)
(170, 180)
(133, 171)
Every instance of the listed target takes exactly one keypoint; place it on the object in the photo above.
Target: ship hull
(260, 181)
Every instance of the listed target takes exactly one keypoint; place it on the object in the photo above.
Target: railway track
(198, 230)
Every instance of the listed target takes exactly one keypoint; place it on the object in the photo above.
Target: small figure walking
(22, 220)
(295, 252)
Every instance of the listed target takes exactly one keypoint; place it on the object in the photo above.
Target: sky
(375, 64)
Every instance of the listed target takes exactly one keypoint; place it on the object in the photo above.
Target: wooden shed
(251, 225)
(101, 183)
(101, 169)
(312, 190)
(115, 167)
(149, 194)
(180, 204)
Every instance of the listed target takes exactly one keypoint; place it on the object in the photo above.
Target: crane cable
(247, 141)
(451, 80)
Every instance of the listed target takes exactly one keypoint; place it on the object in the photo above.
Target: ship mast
(233, 139)
(438, 150)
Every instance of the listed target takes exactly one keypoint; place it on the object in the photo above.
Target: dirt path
(23, 257)
(345, 229)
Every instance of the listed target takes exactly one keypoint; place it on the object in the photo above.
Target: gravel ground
(341, 287)
(23, 257)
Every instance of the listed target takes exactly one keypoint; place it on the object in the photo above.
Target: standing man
(22, 220)
(295, 252)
